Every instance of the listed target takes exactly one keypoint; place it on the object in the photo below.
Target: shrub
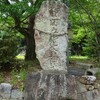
(8, 49)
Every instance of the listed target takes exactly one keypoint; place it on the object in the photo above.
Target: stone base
(50, 85)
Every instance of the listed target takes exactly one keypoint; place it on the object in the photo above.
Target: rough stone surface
(51, 35)
(57, 85)
(16, 94)
(88, 80)
(81, 87)
(88, 92)
(76, 71)
(5, 90)
(92, 71)
(50, 85)
(89, 95)
(8, 93)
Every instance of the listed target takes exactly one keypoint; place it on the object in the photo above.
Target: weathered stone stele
(51, 35)
(53, 82)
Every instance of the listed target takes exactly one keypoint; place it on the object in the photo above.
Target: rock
(5, 90)
(50, 85)
(16, 94)
(90, 87)
(8, 93)
(83, 80)
(93, 95)
(83, 65)
(0, 97)
(91, 78)
(92, 71)
(81, 87)
(88, 80)
(76, 71)
(51, 37)
(96, 86)
(89, 95)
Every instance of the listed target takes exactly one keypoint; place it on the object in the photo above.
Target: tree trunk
(30, 42)
(28, 32)
(29, 37)
(30, 48)
(97, 38)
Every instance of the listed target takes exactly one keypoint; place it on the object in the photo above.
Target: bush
(90, 47)
(8, 49)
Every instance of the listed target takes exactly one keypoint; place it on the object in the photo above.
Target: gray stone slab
(81, 87)
(76, 71)
(16, 94)
(5, 90)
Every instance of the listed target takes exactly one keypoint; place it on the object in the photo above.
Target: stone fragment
(5, 90)
(93, 95)
(1, 97)
(96, 85)
(89, 95)
(92, 70)
(81, 87)
(89, 87)
(16, 94)
(88, 80)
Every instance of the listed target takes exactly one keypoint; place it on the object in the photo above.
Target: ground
(16, 73)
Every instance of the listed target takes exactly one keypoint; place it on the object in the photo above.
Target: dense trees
(17, 19)
(18, 16)
(85, 18)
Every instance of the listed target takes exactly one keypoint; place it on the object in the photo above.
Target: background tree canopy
(85, 18)
(17, 16)
(17, 20)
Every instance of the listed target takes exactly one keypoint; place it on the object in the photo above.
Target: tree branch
(88, 13)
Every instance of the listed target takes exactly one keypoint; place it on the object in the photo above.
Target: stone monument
(51, 39)
(53, 82)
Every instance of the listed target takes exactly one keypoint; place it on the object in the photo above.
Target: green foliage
(1, 78)
(8, 49)
(14, 76)
(18, 77)
(90, 47)
(18, 74)
(80, 34)
(85, 18)
(18, 16)
(20, 9)
(22, 74)
(98, 74)
(79, 59)
(21, 57)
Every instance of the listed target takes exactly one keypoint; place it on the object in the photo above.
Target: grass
(16, 74)
(20, 57)
(78, 58)
(1, 78)
(83, 59)
(18, 77)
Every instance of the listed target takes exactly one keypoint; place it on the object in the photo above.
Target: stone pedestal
(50, 85)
